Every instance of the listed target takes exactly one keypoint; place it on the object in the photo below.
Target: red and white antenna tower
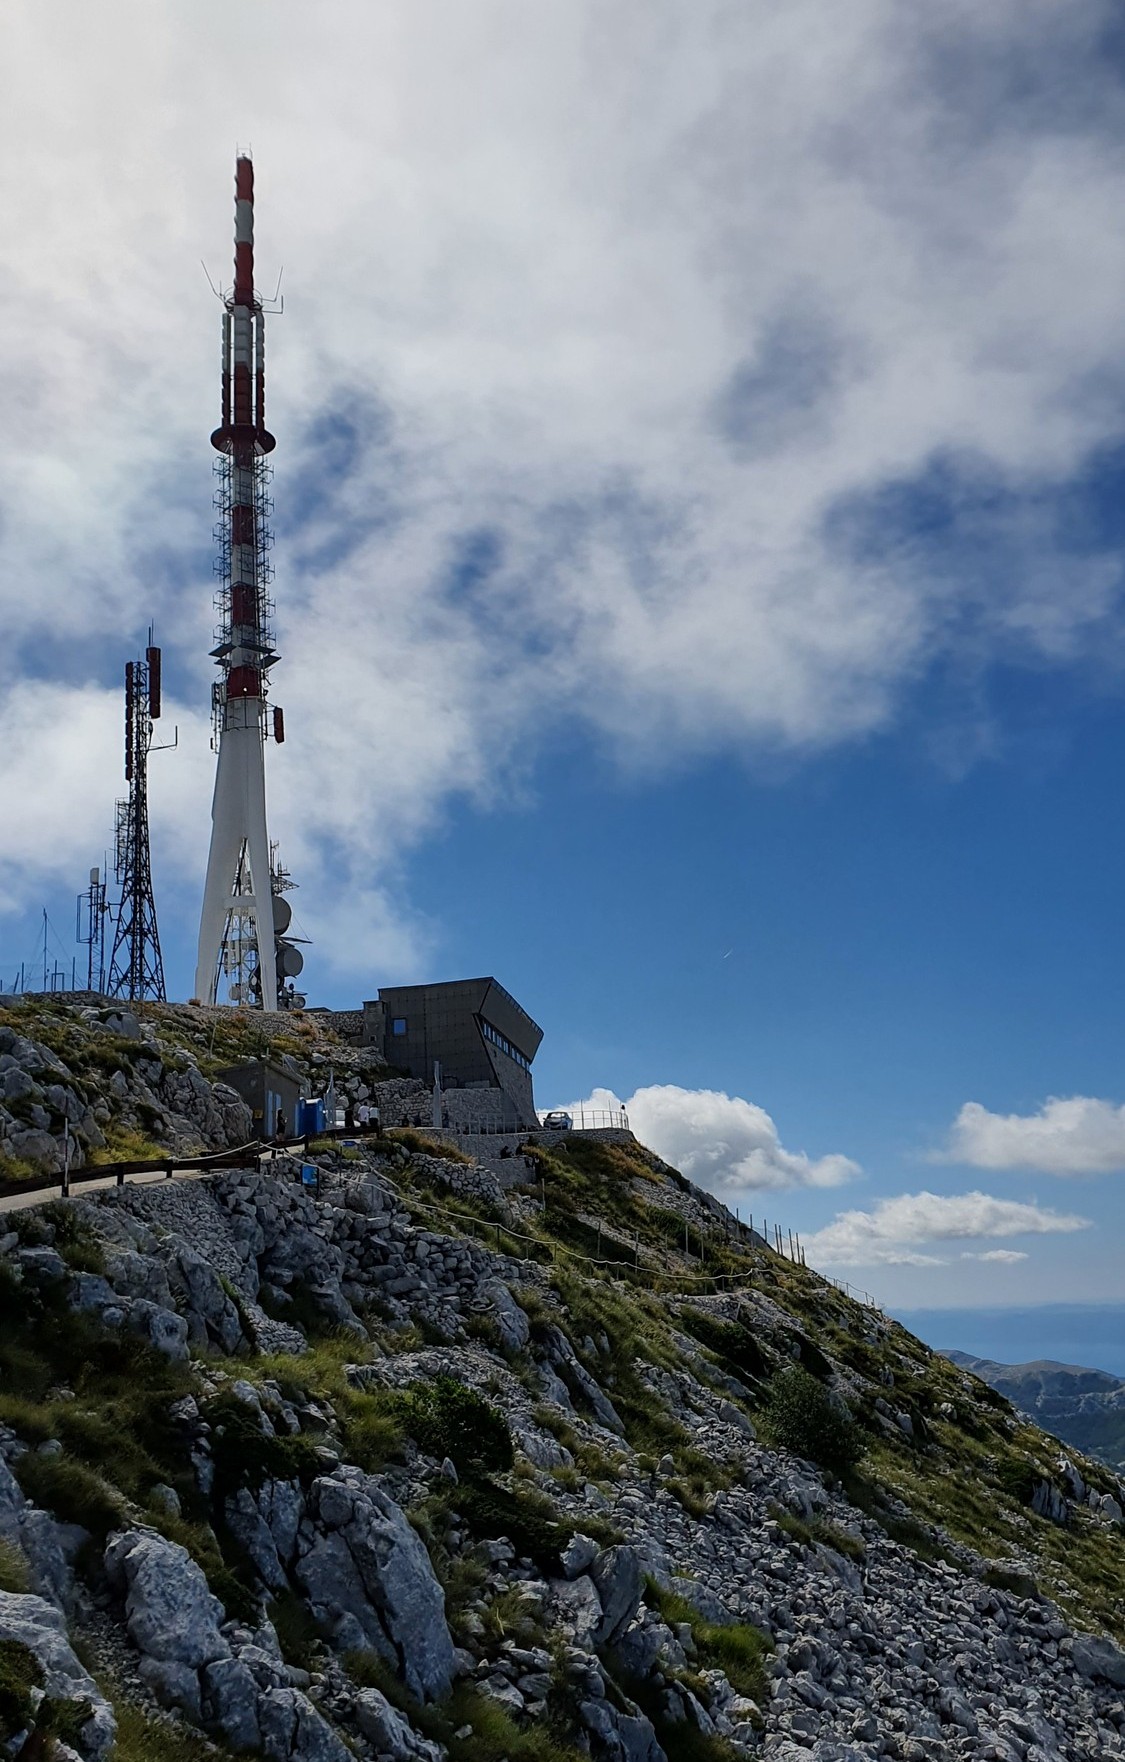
(237, 961)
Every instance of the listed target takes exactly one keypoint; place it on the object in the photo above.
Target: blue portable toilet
(311, 1116)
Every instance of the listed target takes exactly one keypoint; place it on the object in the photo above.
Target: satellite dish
(290, 960)
(282, 914)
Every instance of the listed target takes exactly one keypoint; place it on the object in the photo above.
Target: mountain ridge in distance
(1083, 1406)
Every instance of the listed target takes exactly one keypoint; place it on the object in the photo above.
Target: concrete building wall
(478, 1034)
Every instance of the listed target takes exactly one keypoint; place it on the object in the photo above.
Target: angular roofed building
(478, 1036)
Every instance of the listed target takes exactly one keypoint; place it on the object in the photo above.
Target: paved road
(43, 1195)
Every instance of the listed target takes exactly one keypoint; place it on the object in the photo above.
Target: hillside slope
(421, 1467)
(1084, 1407)
(104, 1082)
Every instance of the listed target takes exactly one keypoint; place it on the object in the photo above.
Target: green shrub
(245, 1456)
(802, 1417)
(527, 1519)
(446, 1418)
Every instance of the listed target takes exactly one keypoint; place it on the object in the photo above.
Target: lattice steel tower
(136, 969)
(237, 961)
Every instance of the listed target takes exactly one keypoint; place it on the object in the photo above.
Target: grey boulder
(1095, 1657)
(390, 1731)
(293, 1731)
(617, 1578)
(41, 1629)
(368, 1577)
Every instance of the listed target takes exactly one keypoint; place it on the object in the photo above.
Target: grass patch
(425, 1146)
(297, 1631)
(819, 1533)
(70, 1490)
(143, 1739)
(13, 1569)
(737, 1649)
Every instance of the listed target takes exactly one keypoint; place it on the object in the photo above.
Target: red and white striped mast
(237, 960)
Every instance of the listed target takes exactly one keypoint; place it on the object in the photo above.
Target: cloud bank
(1077, 1135)
(901, 1231)
(722, 1142)
(640, 371)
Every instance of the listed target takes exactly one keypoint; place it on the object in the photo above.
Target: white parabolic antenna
(289, 959)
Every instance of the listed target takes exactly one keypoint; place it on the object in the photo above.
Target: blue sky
(698, 556)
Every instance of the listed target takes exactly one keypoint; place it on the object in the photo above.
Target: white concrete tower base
(238, 825)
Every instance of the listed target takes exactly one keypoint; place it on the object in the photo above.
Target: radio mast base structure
(136, 969)
(238, 958)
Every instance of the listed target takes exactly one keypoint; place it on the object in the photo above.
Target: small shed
(267, 1088)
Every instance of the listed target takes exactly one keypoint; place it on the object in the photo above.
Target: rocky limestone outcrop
(56, 1108)
(240, 1692)
(869, 1652)
(367, 1576)
(39, 1628)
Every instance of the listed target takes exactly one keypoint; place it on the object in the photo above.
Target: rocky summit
(539, 1458)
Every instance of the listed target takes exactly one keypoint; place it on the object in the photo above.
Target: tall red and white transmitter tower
(238, 950)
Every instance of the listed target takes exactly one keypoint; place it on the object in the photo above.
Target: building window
(398, 1026)
(505, 1045)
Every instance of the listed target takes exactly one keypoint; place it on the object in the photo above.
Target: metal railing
(587, 1119)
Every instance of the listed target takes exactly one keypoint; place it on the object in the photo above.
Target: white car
(558, 1121)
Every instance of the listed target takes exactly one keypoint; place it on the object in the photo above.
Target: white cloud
(648, 292)
(899, 1231)
(1074, 1135)
(720, 1141)
(1002, 1256)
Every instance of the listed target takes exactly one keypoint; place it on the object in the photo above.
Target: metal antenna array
(89, 928)
(136, 969)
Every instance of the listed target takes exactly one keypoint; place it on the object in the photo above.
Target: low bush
(20, 1676)
(801, 1416)
(296, 1628)
(1016, 1476)
(245, 1456)
(1006, 1578)
(529, 1520)
(447, 1418)
(492, 1735)
(22, 1704)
